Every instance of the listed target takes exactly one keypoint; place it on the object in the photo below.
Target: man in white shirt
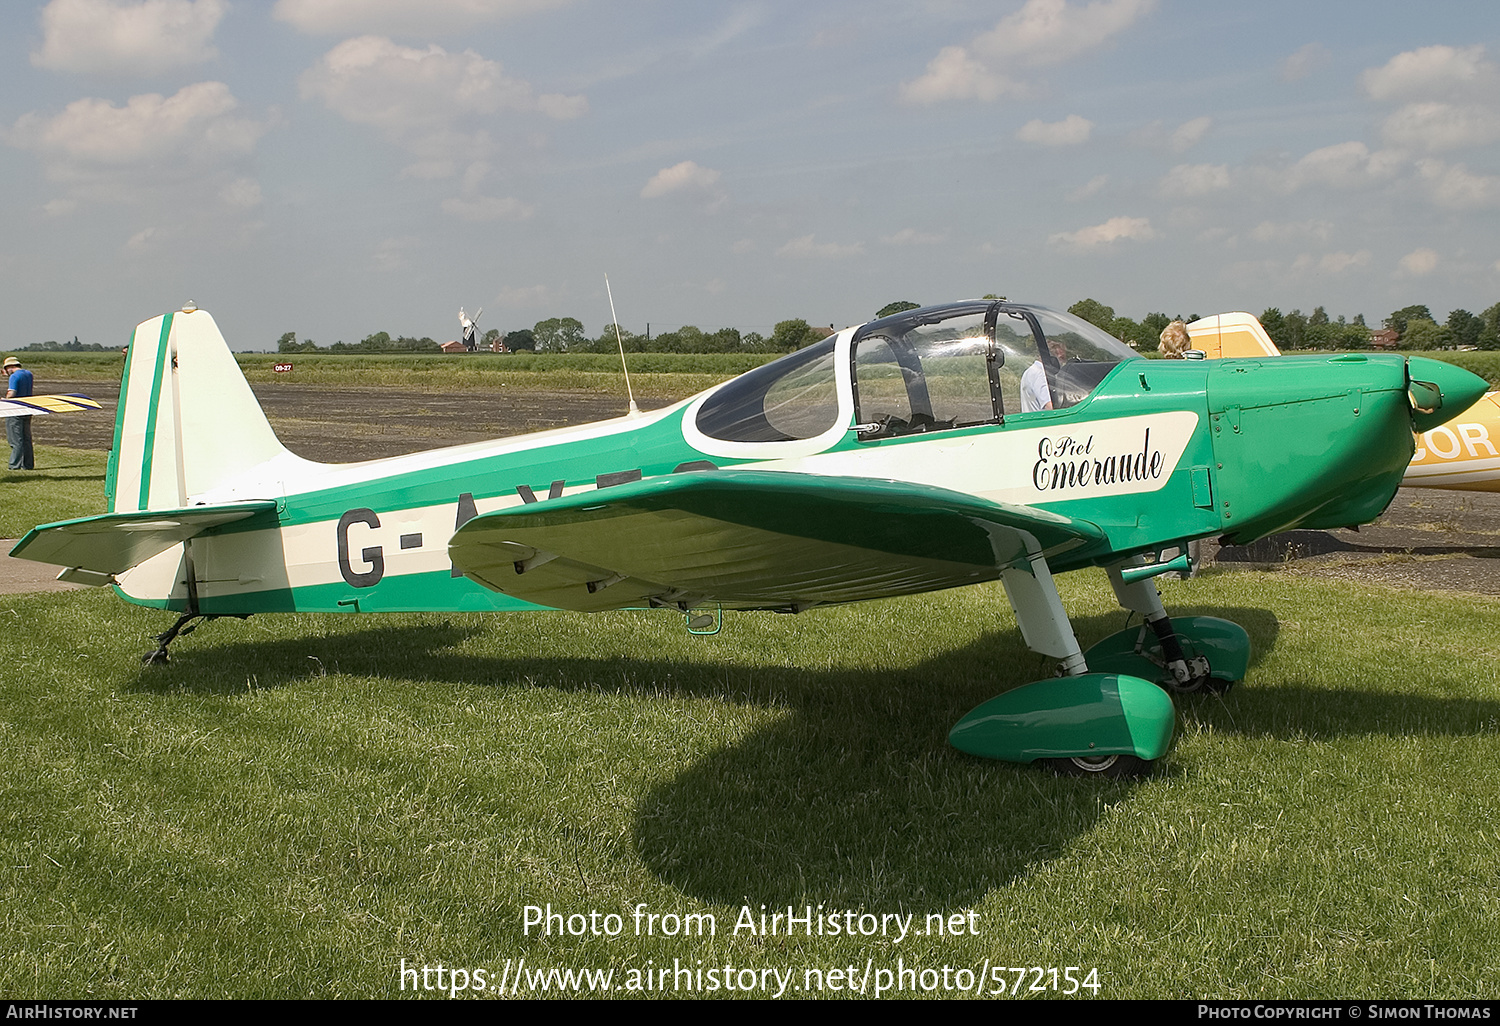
(1035, 395)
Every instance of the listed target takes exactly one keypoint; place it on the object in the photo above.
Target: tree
(558, 334)
(899, 306)
(1275, 325)
(1295, 329)
(1399, 319)
(1423, 333)
(1095, 312)
(1464, 328)
(1489, 335)
(1319, 316)
(287, 343)
(520, 339)
(490, 338)
(794, 334)
(1131, 333)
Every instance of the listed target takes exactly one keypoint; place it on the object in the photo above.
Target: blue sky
(339, 167)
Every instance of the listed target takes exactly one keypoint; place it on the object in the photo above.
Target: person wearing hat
(18, 429)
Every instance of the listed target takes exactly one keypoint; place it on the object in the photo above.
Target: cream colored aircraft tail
(187, 420)
(1231, 335)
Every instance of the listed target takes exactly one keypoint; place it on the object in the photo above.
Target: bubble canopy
(930, 369)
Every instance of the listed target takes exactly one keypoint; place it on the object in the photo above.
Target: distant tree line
(67, 347)
(1415, 328)
(380, 342)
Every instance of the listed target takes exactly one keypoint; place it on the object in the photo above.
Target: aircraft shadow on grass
(854, 798)
(1294, 545)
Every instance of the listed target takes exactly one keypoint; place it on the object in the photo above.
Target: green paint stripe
(161, 362)
(432, 592)
(119, 424)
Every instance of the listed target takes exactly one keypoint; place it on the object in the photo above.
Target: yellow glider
(38, 405)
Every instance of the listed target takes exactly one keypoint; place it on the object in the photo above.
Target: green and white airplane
(939, 447)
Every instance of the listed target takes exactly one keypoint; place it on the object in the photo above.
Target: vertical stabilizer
(187, 420)
(1231, 335)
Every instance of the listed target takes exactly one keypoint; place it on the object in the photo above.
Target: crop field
(324, 806)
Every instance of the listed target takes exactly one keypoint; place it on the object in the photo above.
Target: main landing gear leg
(183, 627)
(1080, 722)
(1182, 654)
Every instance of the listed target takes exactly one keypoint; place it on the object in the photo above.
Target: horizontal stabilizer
(752, 540)
(39, 405)
(112, 543)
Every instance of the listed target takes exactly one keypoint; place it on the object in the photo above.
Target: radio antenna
(634, 409)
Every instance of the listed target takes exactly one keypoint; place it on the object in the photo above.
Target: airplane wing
(753, 540)
(112, 543)
(37, 405)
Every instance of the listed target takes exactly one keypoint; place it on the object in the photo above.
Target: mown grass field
(298, 803)
(666, 376)
(651, 373)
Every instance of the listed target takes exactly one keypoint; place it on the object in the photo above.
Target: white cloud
(1431, 72)
(60, 207)
(428, 102)
(1343, 165)
(396, 17)
(912, 237)
(1195, 180)
(1042, 32)
(391, 254)
(242, 192)
(1454, 186)
(1187, 134)
(1419, 262)
(1089, 188)
(1071, 131)
(1303, 63)
(743, 246)
(1441, 126)
(1333, 263)
(118, 37)
(1052, 31)
(1110, 231)
(472, 205)
(487, 208)
(688, 175)
(144, 241)
(804, 248)
(954, 74)
(176, 135)
(528, 295)
(1290, 231)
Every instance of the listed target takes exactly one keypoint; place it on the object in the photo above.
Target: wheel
(1113, 766)
(1193, 686)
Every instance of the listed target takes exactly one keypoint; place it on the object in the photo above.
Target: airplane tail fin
(1231, 335)
(187, 420)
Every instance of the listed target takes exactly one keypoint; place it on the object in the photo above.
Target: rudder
(187, 419)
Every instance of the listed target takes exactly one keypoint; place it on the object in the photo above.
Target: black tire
(1116, 767)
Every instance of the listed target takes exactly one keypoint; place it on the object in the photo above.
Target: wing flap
(752, 539)
(112, 543)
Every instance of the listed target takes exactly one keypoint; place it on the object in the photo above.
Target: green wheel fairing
(1224, 643)
(1093, 714)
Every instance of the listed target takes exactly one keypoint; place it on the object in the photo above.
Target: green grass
(67, 483)
(297, 803)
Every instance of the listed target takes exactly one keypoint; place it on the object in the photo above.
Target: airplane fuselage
(1159, 452)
